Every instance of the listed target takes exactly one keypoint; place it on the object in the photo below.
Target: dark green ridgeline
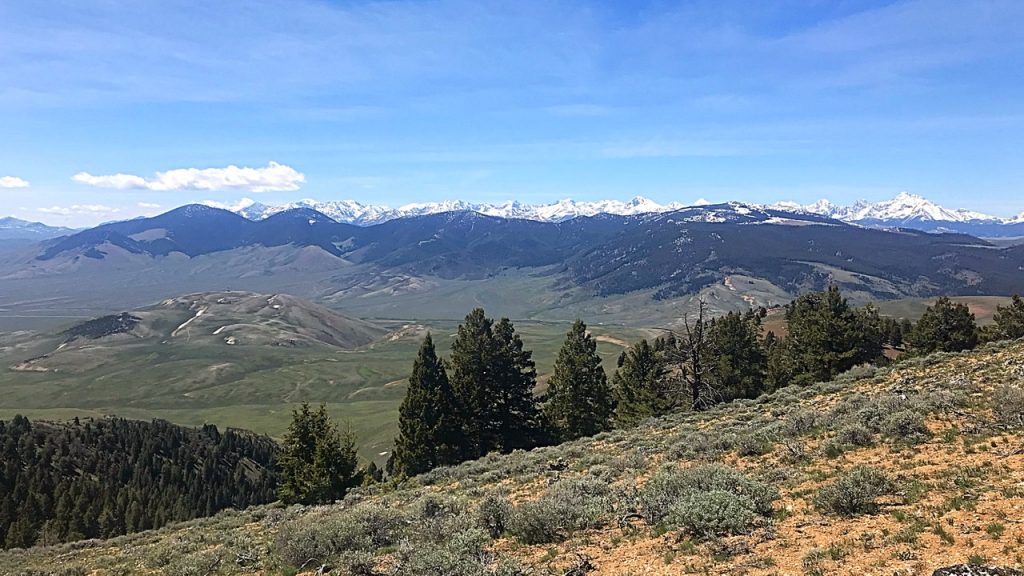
(102, 478)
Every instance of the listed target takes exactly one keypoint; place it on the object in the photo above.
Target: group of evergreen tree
(945, 326)
(948, 326)
(480, 400)
(106, 477)
(1008, 321)
(825, 335)
(706, 362)
(895, 331)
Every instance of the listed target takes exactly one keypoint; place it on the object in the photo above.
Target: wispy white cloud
(79, 210)
(273, 177)
(13, 182)
(232, 206)
(148, 205)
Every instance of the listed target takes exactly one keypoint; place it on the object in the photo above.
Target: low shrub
(714, 513)
(674, 496)
(855, 434)
(1008, 405)
(493, 514)
(196, 564)
(567, 506)
(753, 445)
(905, 425)
(433, 506)
(855, 492)
(459, 553)
(320, 536)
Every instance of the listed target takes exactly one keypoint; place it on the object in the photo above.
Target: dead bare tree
(692, 354)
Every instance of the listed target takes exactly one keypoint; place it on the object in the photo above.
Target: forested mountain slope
(101, 478)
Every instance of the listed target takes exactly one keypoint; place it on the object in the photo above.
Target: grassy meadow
(194, 383)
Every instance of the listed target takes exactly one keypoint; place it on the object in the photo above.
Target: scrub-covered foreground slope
(894, 471)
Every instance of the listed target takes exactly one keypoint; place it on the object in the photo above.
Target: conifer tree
(493, 376)
(945, 326)
(828, 336)
(318, 462)
(428, 420)
(1009, 320)
(579, 400)
(740, 364)
(515, 417)
(472, 360)
(638, 385)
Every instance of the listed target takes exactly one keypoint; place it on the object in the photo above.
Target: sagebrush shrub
(753, 445)
(1008, 405)
(567, 506)
(459, 554)
(672, 495)
(855, 492)
(714, 513)
(197, 564)
(324, 535)
(905, 425)
(493, 514)
(800, 421)
(855, 434)
(432, 506)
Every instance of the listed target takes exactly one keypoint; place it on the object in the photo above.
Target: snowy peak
(904, 208)
(352, 212)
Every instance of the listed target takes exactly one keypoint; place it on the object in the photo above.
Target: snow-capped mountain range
(904, 207)
(353, 212)
(905, 210)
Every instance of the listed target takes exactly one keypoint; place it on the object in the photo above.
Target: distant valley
(237, 359)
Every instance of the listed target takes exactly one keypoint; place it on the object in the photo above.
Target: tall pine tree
(639, 385)
(472, 375)
(428, 420)
(740, 364)
(318, 462)
(493, 376)
(579, 400)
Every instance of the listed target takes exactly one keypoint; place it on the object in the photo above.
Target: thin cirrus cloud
(79, 210)
(273, 177)
(13, 182)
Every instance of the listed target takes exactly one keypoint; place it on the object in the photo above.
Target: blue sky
(396, 102)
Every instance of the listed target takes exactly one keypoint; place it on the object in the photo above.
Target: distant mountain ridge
(905, 210)
(17, 229)
(670, 253)
(352, 212)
